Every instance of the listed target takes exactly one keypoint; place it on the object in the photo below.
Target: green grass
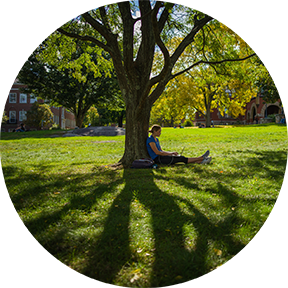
(154, 227)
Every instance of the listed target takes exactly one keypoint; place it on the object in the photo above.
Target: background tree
(91, 117)
(70, 82)
(5, 118)
(172, 106)
(39, 116)
(132, 42)
(268, 90)
(205, 90)
(226, 86)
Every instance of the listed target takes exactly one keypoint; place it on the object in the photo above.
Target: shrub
(5, 118)
(39, 116)
(91, 117)
(188, 123)
(272, 116)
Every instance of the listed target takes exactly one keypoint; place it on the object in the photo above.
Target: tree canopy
(226, 86)
(68, 79)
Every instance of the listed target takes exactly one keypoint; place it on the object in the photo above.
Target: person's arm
(161, 153)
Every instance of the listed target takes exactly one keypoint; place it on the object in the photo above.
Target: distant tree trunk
(208, 119)
(80, 114)
(120, 119)
(79, 121)
(208, 96)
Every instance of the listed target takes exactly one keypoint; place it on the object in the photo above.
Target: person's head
(155, 130)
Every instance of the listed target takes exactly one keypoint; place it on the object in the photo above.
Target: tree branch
(163, 19)
(128, 24)
(97, 25)
(142, 17)
(199, 24)
(104, 18)
(84, 38)
(211, 63)
(158, 39)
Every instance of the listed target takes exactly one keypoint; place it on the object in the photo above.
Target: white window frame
(22, 115)
(11, 96)
(12, 119)
(33, 99)
(24, 99)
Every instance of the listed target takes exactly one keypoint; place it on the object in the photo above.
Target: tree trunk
(120, 119)
(79, 121)
(208, 119)
(136, 133)
(208, 100)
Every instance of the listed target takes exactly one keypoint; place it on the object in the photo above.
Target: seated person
(163, 157)
(21, 128)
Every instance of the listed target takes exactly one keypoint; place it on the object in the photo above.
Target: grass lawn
(153, 227)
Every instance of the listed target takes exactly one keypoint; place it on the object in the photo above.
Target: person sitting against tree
(163, 157)
(21, 128)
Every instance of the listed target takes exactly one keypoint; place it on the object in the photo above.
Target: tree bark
(208, 119)
(136, 130)
(79, 121)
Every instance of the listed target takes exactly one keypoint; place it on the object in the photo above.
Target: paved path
(96, 131)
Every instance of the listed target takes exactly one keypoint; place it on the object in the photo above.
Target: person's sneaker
(206, 160)
(206, 154)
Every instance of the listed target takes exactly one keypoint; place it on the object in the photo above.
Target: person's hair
(154, 128)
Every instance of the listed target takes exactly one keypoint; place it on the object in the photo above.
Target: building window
(23, 98)
(56, 119)
(12, 98)
(12, 116)
(33, 98)
(22, 115)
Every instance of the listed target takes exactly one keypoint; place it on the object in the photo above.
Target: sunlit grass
(153, 227)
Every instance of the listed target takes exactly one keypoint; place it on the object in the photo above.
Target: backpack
(143, 163)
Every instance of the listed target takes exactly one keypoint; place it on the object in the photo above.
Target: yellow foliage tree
(206, 90)
(226, 86)
(171, 107)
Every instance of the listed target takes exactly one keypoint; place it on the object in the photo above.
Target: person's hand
(175, 153)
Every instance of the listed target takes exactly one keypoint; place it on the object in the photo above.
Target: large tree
(131, 32)
(68, 81)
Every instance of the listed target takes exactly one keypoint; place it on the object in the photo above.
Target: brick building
(256, 111)
(19, 103)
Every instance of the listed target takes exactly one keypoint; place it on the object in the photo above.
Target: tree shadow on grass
(173, 261)
(106, 254)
